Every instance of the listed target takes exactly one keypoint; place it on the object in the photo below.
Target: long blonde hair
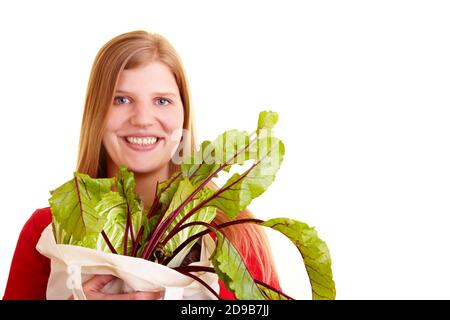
(131, 50)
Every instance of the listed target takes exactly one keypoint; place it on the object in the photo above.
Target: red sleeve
(30, 270)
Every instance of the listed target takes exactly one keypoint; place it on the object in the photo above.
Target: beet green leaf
(315, 253)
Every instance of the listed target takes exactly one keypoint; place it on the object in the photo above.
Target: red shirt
(30, 270)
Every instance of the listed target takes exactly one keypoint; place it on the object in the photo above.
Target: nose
(142, 115)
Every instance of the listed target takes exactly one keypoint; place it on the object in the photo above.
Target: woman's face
(146, 111)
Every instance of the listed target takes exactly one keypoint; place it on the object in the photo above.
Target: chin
(146, 167)
(141, 169)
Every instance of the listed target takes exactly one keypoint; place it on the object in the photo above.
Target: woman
(137, 100)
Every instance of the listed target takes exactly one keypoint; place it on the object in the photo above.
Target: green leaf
(239, 191)
(267, 120)
(185, 188)
(205, 214)
(211, 155)
(270, 294)
(199, 166)
(115, 207)
(126, 186)
(315, 253)
(231, 269)
(166, 191)
(149, 225)
(73, 208)
(227, 147)
(134, 206)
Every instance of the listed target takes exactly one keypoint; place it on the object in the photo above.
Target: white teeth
(142, 141)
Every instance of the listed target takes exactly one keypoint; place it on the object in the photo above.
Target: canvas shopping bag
(72, 265)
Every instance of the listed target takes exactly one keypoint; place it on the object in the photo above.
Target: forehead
(154, 76)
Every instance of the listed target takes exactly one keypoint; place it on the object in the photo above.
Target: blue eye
(165, 101)
(121, 100)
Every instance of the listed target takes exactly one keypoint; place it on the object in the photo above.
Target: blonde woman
(137, 99)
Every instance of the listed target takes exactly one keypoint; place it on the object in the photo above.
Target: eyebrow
(156, 93)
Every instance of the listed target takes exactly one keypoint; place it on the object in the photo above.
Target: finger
(96, 283)
(138, 295)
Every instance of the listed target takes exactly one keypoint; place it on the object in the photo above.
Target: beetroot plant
(106, 213)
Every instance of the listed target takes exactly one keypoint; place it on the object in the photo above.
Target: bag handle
(73, 282)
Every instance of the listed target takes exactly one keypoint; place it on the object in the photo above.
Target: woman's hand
(92, 290)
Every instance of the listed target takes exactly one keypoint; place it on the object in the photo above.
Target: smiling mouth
(142, 143)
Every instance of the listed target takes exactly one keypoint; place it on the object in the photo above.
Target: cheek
(173, 126)
(113, 120)
(174, 121)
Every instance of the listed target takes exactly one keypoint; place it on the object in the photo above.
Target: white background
(362, 92)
